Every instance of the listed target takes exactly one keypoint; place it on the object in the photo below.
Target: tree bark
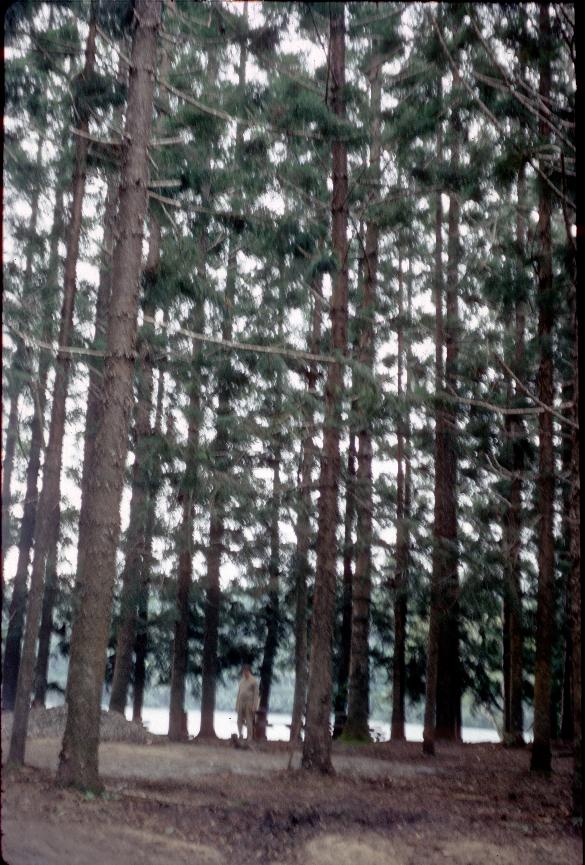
(397, 731)
(575, 574)
(356, 726)
(341, 685)
(94, 405)
(303, 533)
(78, 760)
(20, 371)
(435, 615)
(274, 564)
(47, 517)
(273, 605)
(146, 564)
(93, 413)
(27, 526)
(513, 637)
(177, 715)
(317, 745)
(131, 574)
(220, 451)
(448, 673)
(541, 754)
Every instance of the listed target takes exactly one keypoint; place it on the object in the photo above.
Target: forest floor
(205, 803)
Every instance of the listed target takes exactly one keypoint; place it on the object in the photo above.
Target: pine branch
(542, 114)
(535, 399)
(494, 119)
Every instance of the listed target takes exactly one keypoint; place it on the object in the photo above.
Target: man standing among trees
(247, 702)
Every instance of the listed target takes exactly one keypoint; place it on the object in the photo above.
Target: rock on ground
(50, 723)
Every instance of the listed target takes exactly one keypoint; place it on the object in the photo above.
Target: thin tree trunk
(146, 564)
(317, 745)
(20, 371)
(514, 721)
(575, 575)
(47, 518)
(221, 460)
(273, 606)
(435, 615)
(402, 536)
(541, 754)
(448, 672)
(27, 526)
(78, 760)
(356, 726)
(341, 685)
(177, 714)
(274, 565)
(303, 533)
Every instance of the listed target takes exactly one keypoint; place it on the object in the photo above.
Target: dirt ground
(209, 804)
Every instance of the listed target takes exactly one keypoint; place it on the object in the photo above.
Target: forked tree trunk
(221, 460)
(303, 533)
(317, 745)
(11, 660)
(356, 726)
(47, 517)
(541, 753)
(78, 760)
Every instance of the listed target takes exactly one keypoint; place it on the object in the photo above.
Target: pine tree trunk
(303, 534)
(317, 745)
(78, 760)
(448, 672)
(341, 685)
(221, 460)
(273, 606)
(94, 405)
(435, 615)
(356, 726)
(397, 731)
(20, 372)
(177, 715)
(513, 637)
(146, 565)
(11, 660)
(47, 517)
(131, 574)
(541, 754)
(575, 574)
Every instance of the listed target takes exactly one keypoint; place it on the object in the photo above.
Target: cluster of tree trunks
(108, 412)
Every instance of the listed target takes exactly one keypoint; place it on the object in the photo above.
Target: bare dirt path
(205, 804)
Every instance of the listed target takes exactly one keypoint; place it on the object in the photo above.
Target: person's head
(246, 671)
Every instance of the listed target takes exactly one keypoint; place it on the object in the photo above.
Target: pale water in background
(157, 721)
